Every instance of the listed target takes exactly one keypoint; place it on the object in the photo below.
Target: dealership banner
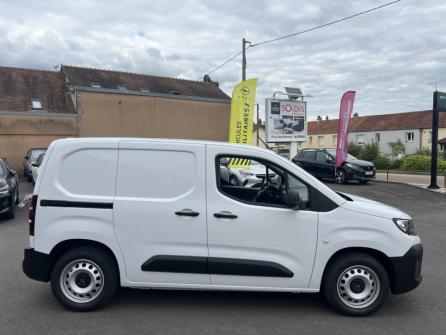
(242, 115)
(345, 114)
(285, 120)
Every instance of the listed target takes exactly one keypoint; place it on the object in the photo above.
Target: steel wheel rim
(358, 286)
(340, 177)
(81, 281)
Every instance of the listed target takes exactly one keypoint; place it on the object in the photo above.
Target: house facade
(37, 107)
(412, 128)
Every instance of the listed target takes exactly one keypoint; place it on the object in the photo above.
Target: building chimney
(355, 115)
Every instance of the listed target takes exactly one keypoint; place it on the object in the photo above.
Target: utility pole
(244, 42)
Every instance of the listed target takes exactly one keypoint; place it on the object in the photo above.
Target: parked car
(35, 167)
(29, 160)
(253, 174)
(115, 212)
(9, 189)
(321, 164)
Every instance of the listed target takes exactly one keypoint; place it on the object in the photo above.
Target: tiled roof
(79, 76)
(400, 121)
(19, 86)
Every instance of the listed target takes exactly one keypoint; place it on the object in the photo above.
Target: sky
(389, 56)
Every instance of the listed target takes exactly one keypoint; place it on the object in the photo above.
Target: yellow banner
(242, 112)
(242, 116)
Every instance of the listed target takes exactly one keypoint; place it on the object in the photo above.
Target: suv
(9, 189)
(119, 212)
(321, 164)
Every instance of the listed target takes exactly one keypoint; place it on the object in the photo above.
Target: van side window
(154, 174)
(257, 182)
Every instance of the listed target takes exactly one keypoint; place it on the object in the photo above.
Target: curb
(414, 186)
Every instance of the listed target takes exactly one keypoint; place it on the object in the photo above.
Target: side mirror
(12, 172)
(292, 199)
(330, 161)
(26, 157)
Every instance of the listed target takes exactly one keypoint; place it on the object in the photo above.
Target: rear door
(160, 212)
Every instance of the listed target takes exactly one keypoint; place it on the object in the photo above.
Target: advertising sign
(345, 114)
(285, 120)
(242, 112)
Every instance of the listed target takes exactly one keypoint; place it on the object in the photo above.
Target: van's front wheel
(84, 279)
(356, 284)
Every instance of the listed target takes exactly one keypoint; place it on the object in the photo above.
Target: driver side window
(257, 182)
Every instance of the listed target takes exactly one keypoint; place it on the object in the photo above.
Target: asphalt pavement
(28, 307)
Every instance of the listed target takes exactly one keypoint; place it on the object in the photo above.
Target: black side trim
(77, 204)
(246, 267)
(35, 265)
(407, 270)
(215, 265)
(181, 264)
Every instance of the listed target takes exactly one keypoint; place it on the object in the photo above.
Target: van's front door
(253, 245)
(160, 213)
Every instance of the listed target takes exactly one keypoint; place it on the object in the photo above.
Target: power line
(325, 24)
(304, 31)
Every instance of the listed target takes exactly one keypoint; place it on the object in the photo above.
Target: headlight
(405, 225)
(4, 187)
(246, 173)
(351, 166)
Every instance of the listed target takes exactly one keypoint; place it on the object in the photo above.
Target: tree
(397, 148)
(370, 152)
(207, 79)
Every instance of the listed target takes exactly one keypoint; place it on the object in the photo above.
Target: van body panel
(151, 190)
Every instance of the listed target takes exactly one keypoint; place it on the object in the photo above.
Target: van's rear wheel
(356, 284)
(84, 279)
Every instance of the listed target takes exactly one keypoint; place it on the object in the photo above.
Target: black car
(9, 189)
(321, 164)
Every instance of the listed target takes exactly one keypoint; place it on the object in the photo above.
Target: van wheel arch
(378, 255)
(65, 246)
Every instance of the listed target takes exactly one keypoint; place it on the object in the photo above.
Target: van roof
(163, 140)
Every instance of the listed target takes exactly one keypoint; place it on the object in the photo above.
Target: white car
(35, 167)
(251, 175)
(110, 212)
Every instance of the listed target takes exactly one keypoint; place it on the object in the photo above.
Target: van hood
(371, 207)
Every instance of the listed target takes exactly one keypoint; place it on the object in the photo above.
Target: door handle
(186, 212)
(225, 215)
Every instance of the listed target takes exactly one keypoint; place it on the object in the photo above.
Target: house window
(321, 140)
(310, 140)
(377, 137)
(36, 104)
(95, 85)
(410, 137)
(335, 140)
(360, 139)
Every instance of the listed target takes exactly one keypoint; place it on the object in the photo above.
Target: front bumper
(407, 270)
(36, 265)
(360, 175)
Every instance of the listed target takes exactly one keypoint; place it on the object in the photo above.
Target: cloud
(388, 56)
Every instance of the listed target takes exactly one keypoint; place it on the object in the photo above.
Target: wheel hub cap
(358, 286)
(81, 281)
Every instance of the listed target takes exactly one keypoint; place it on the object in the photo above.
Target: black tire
(84, 257)
(341, 177)
(10, 214)
(355, 276)
(233, 181)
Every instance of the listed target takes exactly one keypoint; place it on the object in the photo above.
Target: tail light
(32, 215)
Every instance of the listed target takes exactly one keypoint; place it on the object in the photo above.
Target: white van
(150, 213)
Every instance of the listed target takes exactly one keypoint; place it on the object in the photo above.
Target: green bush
(396, 164)
(354, 149)
(369, 152)
(423, 152)
(422, 163)
(382, 162)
